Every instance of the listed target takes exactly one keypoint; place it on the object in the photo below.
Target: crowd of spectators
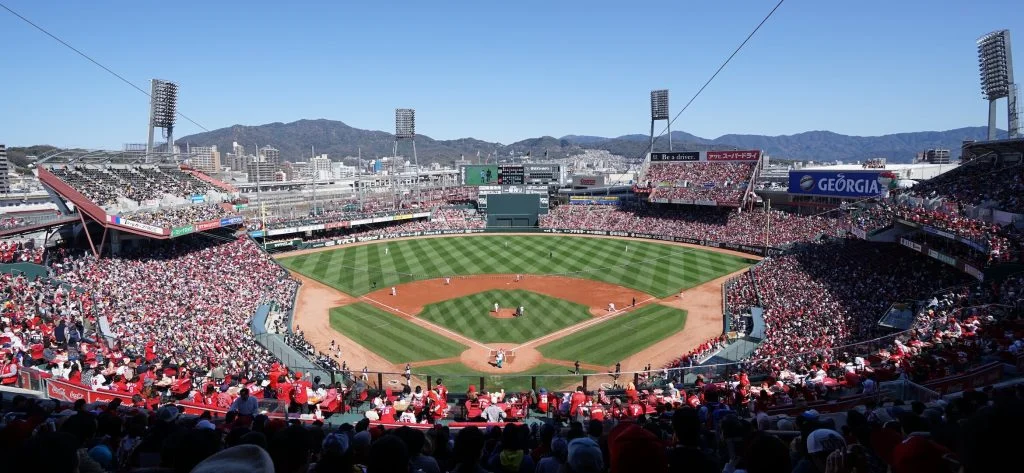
(327, 361)
(712, 224)
(179, 216)
(105, 186)
(20, 251)
(981, 181)
(832, 295)
(709, 430)
(740, 296)
(7, 223)
(718, 182)
(184, 304)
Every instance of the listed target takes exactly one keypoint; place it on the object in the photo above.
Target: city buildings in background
(5, 179)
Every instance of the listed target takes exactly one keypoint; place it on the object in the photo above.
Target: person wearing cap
(820, 444)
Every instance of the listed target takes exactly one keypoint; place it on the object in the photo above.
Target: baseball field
(560, 300)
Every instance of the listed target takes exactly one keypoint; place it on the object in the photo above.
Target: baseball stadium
(693, 307)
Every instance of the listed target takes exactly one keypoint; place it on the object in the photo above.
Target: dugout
(513, 210)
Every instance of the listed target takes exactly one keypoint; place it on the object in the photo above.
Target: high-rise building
(320, 168)
(205, 158)
(937, 156)
(260, 171)
(236, 159)
(271, 155)
(5, 180)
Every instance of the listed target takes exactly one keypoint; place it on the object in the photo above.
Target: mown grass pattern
(655, 268)
(394, 338)
(613, 340)
(471, 315)
(457, 377)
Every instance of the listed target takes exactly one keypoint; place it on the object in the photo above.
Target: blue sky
(499, 71)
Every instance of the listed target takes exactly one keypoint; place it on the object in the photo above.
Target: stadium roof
(999, 147)
(80, 156)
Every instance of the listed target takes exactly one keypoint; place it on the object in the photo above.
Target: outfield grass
(457, 377)
(612, 341)
(654, 268)
(471, 315)
(394, 338)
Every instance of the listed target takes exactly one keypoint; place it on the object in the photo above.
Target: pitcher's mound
(503, 314)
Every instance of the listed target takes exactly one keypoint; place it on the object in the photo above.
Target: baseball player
(394, 292)
(386, 250)
(408, 374)
(447, 281)
(611, 307)
(495, 307)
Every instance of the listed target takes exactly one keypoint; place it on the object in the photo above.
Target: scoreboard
(509, 174)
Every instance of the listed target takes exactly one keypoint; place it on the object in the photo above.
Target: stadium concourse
(182, 383)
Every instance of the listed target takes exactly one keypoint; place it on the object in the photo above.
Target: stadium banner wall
(198, 199)
(181, 231)
(257, 233)
(859, 233)
(224, 222)
(117, 220)
(594, 200)
(839, 183)
(734, 156)
(203, 226)
(944, 234)
(588, 181)
(677, 156)
(963, 266)
(478, 174)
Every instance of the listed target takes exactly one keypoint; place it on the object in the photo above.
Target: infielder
(495, 307)
(447, 281)
(611, 307)
(394, 292)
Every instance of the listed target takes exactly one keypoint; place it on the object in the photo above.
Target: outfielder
(386, 250)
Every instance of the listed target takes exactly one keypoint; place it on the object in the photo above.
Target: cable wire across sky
(90, 59)
(650, 147)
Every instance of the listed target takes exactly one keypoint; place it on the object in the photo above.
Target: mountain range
(340, 140)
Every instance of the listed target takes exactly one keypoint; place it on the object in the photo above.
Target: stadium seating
(723, 226)
(718, 182)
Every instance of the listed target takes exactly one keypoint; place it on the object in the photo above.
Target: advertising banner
(231, 221)
(675, 156)
(256, 234)
(117, 220)
(752, 155)
(204, 226)
(859, 233)
(179, 231)
(909, 244)
(710, 203)
(337, 225)
(941, 257)
(974, 272)
(840, 183)
(403, 217)
(198, 198)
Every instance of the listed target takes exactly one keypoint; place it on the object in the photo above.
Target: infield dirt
(703, 304)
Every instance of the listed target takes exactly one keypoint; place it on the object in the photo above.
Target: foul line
(432, 326)
(580, 326)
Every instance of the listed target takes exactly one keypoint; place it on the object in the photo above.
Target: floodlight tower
(659, 111)
(405, 129)
(996, 64)
(163, 109)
